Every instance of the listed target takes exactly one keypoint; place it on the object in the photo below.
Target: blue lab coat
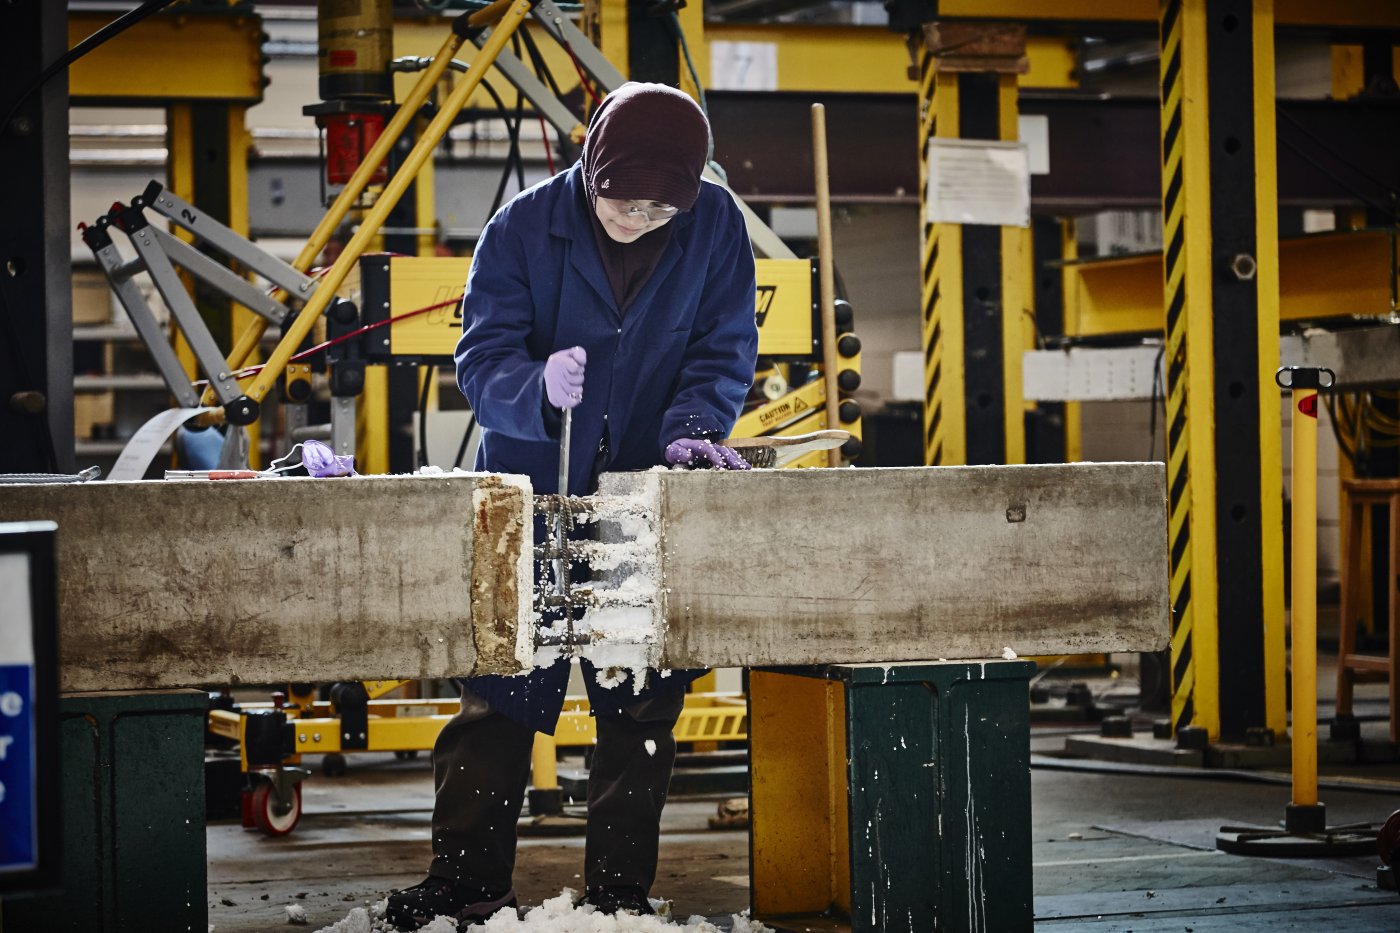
(678, 363)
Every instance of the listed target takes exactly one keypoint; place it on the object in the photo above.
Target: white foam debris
(650, 746)
(1008, 655)
(555, 915)
(296, 914)
(624, 619)
(361, 920)
(610, 677)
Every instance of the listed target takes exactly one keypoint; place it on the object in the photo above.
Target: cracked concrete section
(168, 584)
(777, 567)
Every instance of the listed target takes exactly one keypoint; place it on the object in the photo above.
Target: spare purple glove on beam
(563, 377)
(321, 461)
(694, 451)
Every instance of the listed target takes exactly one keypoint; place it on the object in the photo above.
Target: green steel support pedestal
(892, 797)
(133, 818)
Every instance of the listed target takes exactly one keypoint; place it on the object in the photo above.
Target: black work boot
(618, 898)
(433, 897)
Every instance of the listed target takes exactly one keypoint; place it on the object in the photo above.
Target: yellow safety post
(350, 194)
(1305, 814)
(1304, 833)
(245, 408)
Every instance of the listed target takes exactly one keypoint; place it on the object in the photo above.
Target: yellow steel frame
(1267, 311)
(1069, 249)
(1366, 14)
(1190, 363)
(800, 833)
(168, 57)
(1015, 294)
(413, 725)
(945, 422)
(1341, 274)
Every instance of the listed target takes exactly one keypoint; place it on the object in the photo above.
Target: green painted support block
(937, 828)
(134, 856)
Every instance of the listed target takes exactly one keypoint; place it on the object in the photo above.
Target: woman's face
(627, 221)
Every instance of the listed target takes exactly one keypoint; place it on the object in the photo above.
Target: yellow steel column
(1069, 249)
(1016, 320)
(1222, 305)
(975, 276)
(239, 143)
(179, 178)
(1189, 355)
(941, 296)
(1270, 440)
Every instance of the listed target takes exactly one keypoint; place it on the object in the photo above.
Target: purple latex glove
(320, 460)
(563, 377)
(694, 451)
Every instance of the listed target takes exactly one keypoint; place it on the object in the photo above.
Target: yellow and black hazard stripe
(1221, 294)
(1178, 438)
(931, 293)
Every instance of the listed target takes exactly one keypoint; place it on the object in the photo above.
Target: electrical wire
(1388, 211)
(1158, 396)
(428, 376)
(114, 28)
(1339, 156)
(336, 341)
(583, 78)
(546, 77)
(466, 440)
(511, 154)
(675, 23)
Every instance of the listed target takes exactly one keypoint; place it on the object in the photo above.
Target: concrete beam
(788, 567)
(165, 584)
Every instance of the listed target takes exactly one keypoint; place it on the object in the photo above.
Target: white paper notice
(16, 621)
(1033, 129)
(978, 181)
(138, 453)
(743, 66)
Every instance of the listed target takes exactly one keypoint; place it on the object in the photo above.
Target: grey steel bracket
(221, 277)
(119, 274)
(229, 242)
(167, 282)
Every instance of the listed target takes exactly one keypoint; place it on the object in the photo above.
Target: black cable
(542, 70)
(116, 26)
(423, 415)
(514, 133)
(1360, 170)
(519, 120)
(466, 440)
(1158, 394)
(1389, 211)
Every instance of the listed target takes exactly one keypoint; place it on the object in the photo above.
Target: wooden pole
(825, 277)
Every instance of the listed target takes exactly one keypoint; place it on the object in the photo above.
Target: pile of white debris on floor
(556, 915)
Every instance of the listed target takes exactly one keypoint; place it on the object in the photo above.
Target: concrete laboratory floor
(1111, 852)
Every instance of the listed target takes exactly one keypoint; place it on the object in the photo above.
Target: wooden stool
(1360, 494)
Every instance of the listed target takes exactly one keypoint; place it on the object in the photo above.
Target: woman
(623, 291)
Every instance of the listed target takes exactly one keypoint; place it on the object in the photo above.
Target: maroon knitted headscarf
(646, 142)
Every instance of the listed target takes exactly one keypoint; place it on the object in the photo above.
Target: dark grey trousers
(481, 763)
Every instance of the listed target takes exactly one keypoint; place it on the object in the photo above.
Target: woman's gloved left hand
(694, 451)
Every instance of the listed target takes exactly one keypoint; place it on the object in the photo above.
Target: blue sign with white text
(19, 847)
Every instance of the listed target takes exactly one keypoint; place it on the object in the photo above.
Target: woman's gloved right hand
(563, 377)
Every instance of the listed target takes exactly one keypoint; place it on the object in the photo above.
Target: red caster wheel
(274, 813)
